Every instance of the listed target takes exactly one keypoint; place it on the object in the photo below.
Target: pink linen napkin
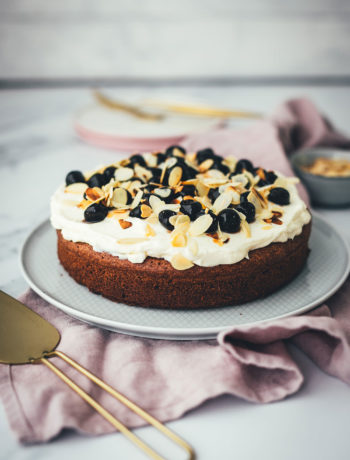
(169, 378)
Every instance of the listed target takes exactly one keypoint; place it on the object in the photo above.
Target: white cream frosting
(103, 236)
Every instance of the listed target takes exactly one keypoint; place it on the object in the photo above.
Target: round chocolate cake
(181, 230)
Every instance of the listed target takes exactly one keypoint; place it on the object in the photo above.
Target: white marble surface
(37, 148)
(183, 38)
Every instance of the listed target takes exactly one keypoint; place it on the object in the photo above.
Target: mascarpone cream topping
(148, 238)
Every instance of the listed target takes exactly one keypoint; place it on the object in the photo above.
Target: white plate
(325, 271)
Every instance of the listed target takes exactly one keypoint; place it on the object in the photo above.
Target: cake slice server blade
(27, 338)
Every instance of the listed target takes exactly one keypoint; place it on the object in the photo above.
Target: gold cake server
(27, 338)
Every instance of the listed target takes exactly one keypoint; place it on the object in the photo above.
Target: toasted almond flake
(181, 227)
(124, 223)
(200, 225)
(222, 202)
(175, 176)
(156, 203)
(131, 240)
(202, 189)
(123, 174)
(163, 173)
(94, 194)
(245, 228)
(179, 262)
(260, 197)
(191, 157)
(252, 198)
(84, 204)
(136, 201)
(150, 231)
(193, 246)
(77, 187)
(218, 242)
(146, 211)
(215, 173)
(179, 240)
(205, 165)
(151, 160)
(119, 197)
(182, 219)
(178, 153)
(162, 192)
(142, 172)
(173, 219)
(190, 181)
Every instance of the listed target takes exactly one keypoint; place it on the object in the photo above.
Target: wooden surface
(170, 40)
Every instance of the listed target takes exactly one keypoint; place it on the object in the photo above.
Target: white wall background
(173, 39)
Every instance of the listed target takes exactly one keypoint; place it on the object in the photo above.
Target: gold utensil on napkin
(190, 110)
(27, 338)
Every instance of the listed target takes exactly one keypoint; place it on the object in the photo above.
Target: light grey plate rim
(166, 333)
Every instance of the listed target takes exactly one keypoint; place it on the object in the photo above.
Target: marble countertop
(37, 147)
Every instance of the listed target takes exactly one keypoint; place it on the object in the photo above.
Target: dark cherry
(166, 194)
(109, 173)
(213, 194)
(188, 172)
(169, 150)
(270, 177)
(74, 176)
(95, 212)
(244, 164)
(248, 209)
(220, 166)
(229, 221)
(191, 208)
(187, 190)
(136, 212)
(164, 217)
(214, 226)
(244, 197)
(161, 157)
(97, 180)
(204, 154)
(137, 159)
(156, 173)
(279, 195)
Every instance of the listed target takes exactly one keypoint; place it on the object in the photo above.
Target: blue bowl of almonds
(326, 174)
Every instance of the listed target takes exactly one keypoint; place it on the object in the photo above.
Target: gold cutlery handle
(107, 415)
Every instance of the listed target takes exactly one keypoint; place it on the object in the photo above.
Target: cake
(181, 230)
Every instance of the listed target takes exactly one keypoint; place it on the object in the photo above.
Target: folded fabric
(169, 378)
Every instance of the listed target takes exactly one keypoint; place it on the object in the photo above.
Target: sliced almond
(205, 165)
(245, 228)
(179, 262)
(175, 176)
(181, 227)
(124, 223)
(202, 189)
(94, 194)
(123, 174)
(200, 225)
(77, 187)
(179, 240)
(162, 192)
(156, 203)
(146, 211)
(222, 202)
(136, 201)
(150, 230)
(131, 240)
(142, 172)
(178, 153)
(119, 197)
(152, 219)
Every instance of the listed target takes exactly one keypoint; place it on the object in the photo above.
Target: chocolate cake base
(155, 283)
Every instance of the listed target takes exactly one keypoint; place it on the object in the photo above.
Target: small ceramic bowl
(324, 191)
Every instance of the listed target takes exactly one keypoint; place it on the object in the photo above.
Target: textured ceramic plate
(325, 271)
